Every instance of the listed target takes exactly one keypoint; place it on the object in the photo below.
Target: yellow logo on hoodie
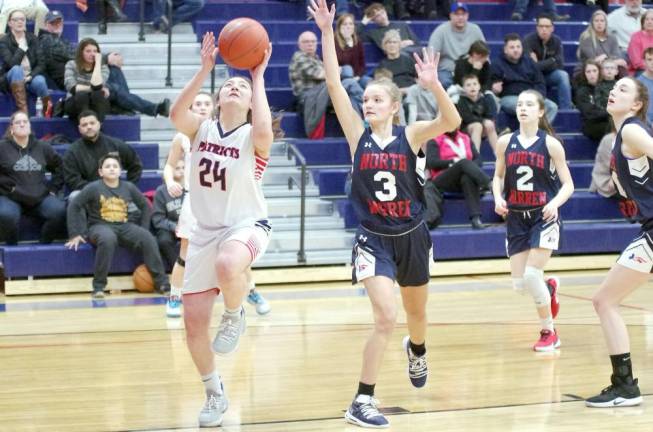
(113, 209)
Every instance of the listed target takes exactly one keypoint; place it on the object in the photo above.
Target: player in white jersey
(203, 106)
(228, 157)
(180, 148)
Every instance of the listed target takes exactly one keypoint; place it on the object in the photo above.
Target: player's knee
(601, 303)
(385, 319)
(227, 267)
(518, 285)
(534, 283)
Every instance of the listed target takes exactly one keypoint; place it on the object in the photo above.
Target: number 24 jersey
(226, 176)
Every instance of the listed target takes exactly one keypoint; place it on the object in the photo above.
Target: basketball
(142, 278)
(242, 43)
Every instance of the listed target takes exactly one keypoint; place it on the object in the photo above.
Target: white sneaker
(256, 299)
(173, 307)
(228, 337)
(214, 408)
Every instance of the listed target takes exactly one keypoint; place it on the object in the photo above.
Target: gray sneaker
(214, 408)
(228, 336)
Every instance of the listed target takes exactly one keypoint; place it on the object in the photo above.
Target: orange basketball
(242, 43)
(142, 278)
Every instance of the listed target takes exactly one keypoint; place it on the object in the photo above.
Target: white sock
(252, 285)
(547, 323)
(212, 382)
(233, 312)
(175, 291)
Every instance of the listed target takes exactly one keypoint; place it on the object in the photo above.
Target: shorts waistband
(392, 231)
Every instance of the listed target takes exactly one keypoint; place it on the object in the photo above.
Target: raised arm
(500, 205)
(636, 141)
(262, 135)
(448, 118)
(557, 152)
(350, 121)
(184, 120)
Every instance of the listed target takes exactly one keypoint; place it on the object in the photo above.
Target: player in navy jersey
(529, 169)
(392, 241)
(632, 156)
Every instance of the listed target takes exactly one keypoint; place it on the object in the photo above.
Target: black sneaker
(163, 289)
(619, 394)
(163, 108)
(417, 368)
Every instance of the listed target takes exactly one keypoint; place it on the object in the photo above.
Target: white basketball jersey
(225, 176)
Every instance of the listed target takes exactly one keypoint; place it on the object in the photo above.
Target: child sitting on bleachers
(476, 113)
(108, 213)
(165, 214)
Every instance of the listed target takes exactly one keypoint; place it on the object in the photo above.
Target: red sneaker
(548, 342)
(553, 283)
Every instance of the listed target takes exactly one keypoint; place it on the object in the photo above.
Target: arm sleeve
(54, 165)
(77, 213)
(159, 220)
(141, 203)
(38, 68)
(433, 160)
(635, 51)
(70, 76)
(359, 67)
(131, 160)
(71, 172)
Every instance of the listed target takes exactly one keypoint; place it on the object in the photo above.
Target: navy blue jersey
(633, 176)
(387, 184)
(531, 180)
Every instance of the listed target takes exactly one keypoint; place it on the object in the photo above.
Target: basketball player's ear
(637, 107)
(395, 107)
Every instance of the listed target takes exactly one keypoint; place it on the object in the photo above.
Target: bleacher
(592, 224)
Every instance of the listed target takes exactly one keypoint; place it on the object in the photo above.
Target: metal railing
(294, 151)
(169, 75)
(141, 31)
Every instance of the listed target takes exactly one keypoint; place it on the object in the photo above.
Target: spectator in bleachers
(395, 9)
(375, 24)
(85, 79)
(342, 7)
(639, 41)
(108, 10)
(597, 43)
(592, 100)
(307, 79)
(515, 72)
(24, 189)
(452, 40)
(57, 51)
(475, 62)
(646, 78)
(349, 49)
(165, 214)
(121, 98)
(455, 166)
(22, 63)
(80, 160)
(609, 74)
(421, 104)
(401, 65)
(436, 9)
(182, 11)
(602, 182)
(625, 21)
(545, 48)
(477, 113)
(549, 7)
(33, 9)
(110, 212)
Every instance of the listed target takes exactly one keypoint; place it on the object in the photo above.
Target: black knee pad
(181, 261)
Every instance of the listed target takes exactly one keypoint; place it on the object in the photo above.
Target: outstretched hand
(321, 14)
(427, 68)
(209, 51)
(257, 71)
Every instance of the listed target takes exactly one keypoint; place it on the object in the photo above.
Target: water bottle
(39, 107)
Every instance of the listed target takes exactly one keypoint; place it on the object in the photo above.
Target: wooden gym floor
(67, 364)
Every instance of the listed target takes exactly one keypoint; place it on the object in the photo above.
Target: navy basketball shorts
(527, 230)
(638, 255)
(405, 258)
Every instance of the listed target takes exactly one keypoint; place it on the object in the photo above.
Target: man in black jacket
(57, 51)
(80, 160)
(21, 60)
(165, 215)
(545, 49)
